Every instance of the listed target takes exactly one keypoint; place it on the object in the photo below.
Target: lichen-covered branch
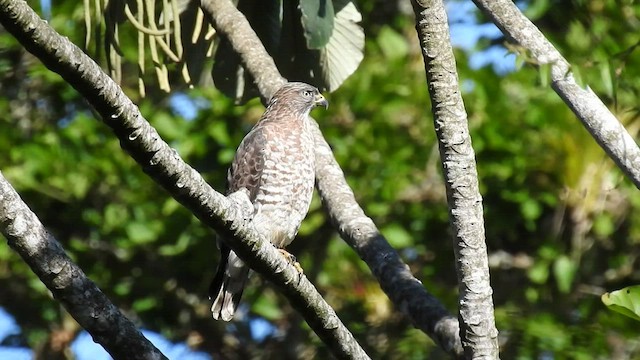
(608, 132)
(477, 325)
(67, 282)
(407, 293)
(165, 166)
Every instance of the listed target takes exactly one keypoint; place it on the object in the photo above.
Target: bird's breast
(286, 186)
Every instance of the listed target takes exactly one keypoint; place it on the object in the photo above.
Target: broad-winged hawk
(275, 163)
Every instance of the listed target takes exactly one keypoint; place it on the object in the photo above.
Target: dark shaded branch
(608, 132)
(67, 282)
(406, 292)
(163, 164)
(477, 324)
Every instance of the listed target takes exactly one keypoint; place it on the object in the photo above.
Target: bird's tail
(226, 288)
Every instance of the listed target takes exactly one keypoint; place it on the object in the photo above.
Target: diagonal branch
(406, 292)
(608, 132)
(68, 283)
(477, 325)
(184, 183)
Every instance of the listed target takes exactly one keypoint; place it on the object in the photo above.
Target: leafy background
(562, 223)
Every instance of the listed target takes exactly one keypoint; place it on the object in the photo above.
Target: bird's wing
(248, 165)
(245, 172)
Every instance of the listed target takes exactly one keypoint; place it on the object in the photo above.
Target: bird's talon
(291, 259)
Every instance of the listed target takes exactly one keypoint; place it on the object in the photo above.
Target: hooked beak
(321, 101)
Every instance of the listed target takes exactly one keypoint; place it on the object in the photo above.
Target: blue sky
(466, 32)
(84, 348)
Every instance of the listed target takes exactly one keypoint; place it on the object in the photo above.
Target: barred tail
(227, 286)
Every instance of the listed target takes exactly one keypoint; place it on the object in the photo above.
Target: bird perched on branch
(275, 163)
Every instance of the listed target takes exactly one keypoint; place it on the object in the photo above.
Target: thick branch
(67, 282)
(477, 325)
(407, 293)
(165, 166)
(608, 132)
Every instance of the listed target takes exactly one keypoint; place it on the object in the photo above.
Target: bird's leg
(291, 259)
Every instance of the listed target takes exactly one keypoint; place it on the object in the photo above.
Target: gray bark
(67, 282)
(477, 324)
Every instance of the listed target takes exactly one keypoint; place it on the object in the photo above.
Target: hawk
(275, 163)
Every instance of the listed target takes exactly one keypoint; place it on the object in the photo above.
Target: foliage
(320, 43)
(562, 223)
(625, 301)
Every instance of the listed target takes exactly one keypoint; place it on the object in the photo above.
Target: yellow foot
(291, 259)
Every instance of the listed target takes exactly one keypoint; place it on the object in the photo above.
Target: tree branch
(184, 183)
(608, 132)
(477, 325)
(405, 291)
(68, 283)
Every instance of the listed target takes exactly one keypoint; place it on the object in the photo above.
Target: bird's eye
(307, 93)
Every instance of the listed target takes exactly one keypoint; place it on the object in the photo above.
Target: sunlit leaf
(397, 236)
(539, 273)
(392, 44)
(545, 74)
(603, 225)
(625, 301)
(606, 72)
(345, 49)
(564, 270)
(144, 304)
(140, 232)
(267, 308)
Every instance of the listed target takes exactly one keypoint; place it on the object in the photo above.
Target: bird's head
(298, 96)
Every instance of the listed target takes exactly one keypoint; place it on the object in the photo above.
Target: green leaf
(607, 75)
(392, 44)
(545, 75)
(603, 225)
(578, 36)
(531, 209)
(115, 215)
(317, 21)
(145, 304)
(140, 232)
(123, 288)
(539, 273)
(176, 248)
(564, 270)
(345, 50)
(536, 9)
(625, 301)
(267, 307)
(397, 236)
